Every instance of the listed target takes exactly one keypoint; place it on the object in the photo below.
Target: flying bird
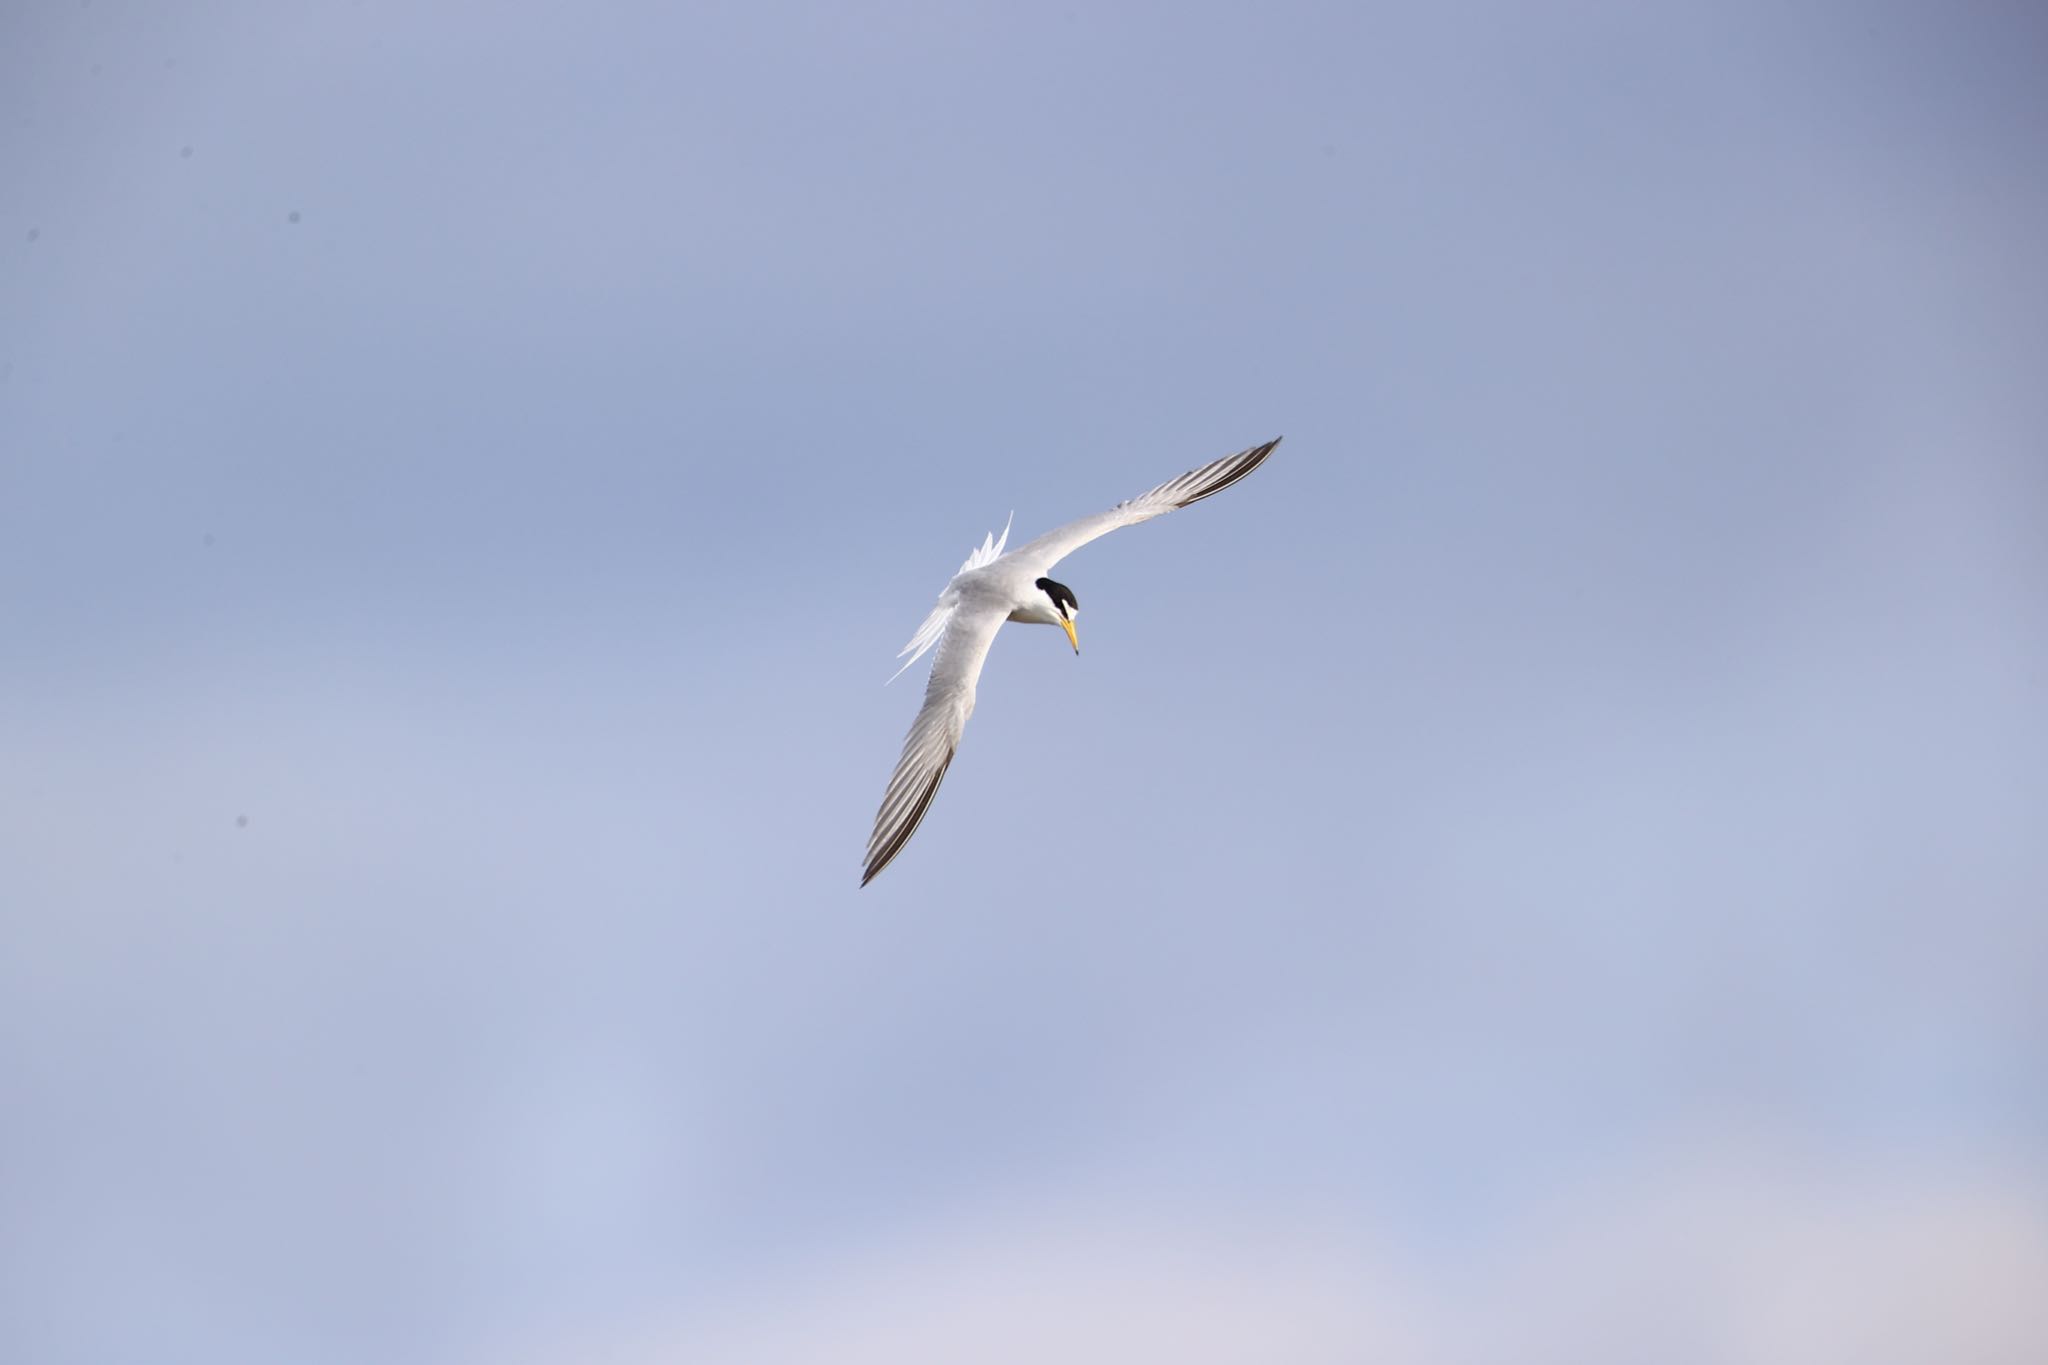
(991, 588)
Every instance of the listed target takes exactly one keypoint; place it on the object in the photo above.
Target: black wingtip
(881, 858)
(1237, 467)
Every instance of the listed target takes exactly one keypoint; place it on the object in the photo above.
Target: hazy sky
(1551, 868)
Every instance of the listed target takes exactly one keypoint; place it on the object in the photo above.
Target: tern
(991, 588)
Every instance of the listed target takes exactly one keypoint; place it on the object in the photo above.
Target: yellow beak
(1072, 639)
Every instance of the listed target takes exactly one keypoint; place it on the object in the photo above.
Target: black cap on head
(1062, 596)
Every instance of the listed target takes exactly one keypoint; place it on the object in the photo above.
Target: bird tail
(927, 635)
(991, 547)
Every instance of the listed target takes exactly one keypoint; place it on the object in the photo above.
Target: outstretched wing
(1050, 548)
(935, 734)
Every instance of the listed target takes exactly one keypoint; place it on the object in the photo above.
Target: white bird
(991, 588)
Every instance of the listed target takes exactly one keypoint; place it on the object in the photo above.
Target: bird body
(993, 587)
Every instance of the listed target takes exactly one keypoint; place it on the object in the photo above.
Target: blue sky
(1548, 868)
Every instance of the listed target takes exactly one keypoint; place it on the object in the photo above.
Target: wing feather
(935, 735)
(1176, 493)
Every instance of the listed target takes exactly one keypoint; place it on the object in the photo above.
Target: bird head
(1060, 609)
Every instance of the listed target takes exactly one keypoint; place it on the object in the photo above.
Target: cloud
(1741, 1254)
(1066, 1287)
(1730, 1255)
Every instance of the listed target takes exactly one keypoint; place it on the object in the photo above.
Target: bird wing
(1050, 548)
(935, 734)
